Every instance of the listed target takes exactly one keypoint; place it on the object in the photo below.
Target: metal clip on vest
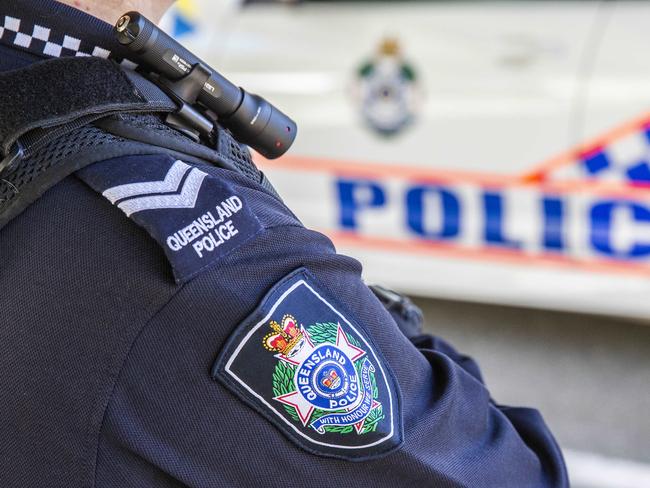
(185, 92)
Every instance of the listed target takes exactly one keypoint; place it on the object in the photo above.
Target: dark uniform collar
(47, 29)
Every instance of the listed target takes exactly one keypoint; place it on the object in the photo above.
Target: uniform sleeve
(409, 319)
(169, 423)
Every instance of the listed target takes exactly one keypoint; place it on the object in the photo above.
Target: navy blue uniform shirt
(167, 324)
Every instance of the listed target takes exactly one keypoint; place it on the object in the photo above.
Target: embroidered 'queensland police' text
(208, 232)
(196, 217)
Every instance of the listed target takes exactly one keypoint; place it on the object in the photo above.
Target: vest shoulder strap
(60, 115)
(70, 91)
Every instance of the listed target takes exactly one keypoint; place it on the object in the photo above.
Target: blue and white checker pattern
(626, 160)
(42, 40)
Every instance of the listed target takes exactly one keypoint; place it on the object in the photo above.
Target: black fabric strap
(59, 116)
(61, 91)
(29, 191)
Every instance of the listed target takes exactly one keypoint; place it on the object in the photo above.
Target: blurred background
(491, 160)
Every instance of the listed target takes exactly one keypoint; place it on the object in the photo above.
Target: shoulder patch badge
(196, 218)
(312, 371)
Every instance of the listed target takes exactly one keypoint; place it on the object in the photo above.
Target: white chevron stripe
(172, 179)
(185, 199)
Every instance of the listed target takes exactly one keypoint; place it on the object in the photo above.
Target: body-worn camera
(203, 95)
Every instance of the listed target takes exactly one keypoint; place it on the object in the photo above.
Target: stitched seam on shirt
(115, 378)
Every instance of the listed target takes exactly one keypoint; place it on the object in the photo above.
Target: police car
(480, 151)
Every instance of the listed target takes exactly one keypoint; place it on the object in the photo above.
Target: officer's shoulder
(197, 213)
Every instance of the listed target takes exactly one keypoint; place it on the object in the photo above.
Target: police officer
(166, 321)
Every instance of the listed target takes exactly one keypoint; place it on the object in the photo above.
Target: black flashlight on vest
(251, 119)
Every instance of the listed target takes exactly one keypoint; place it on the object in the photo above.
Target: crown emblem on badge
(284, 337)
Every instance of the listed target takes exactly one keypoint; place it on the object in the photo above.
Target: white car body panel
(508, 88)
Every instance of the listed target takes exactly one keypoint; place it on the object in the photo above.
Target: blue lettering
(601, 228)
(553, 224)
(450, 213)
(493, 203)
(355, 195)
